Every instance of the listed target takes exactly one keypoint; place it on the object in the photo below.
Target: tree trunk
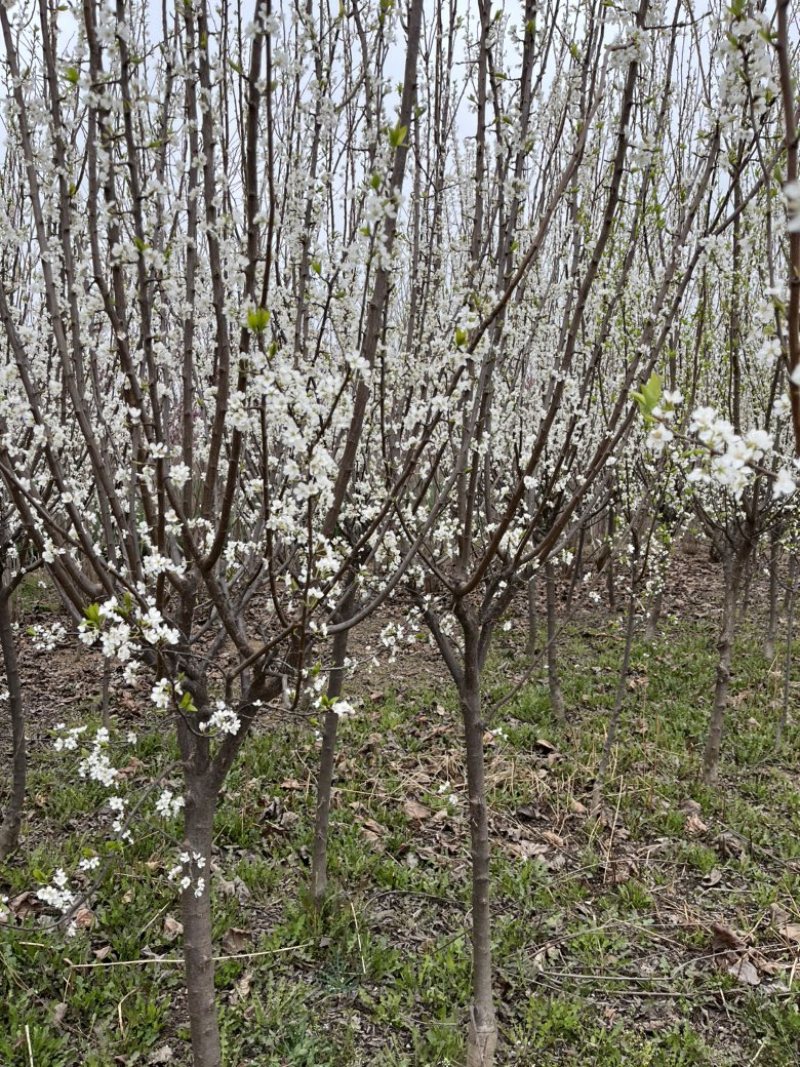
(783, 721)
(613, 722)
(654, 616)
(105, 691)
(533, 617)
(196, 915)
(772, 618)
(610, 582)
(553, 680)
(327, 760)
(482, 1032)
(733, 572)
(12, 817)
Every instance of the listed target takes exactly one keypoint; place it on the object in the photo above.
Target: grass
(603, 933)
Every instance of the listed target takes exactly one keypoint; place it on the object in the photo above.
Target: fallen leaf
(576, 807)
(84, 919)
(553, 839)
(526, 850)
(235, 941)
(745, 972)
(292, 783)
(621, 870)
(161, 1055)
(132, 767)
(241, 988)
(224, 886)
(791, 932)
(694, 825)
(724, 939)
(102, 953)
(172, 928)
(415, 810)
(731, 845)
(740, 698)
(541, 745)
(714, 877)
(59, 1011)
(527, 813)
(374, 827)
(23, 906)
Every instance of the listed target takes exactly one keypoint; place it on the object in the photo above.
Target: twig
(119, 1010)
(177, 961)
(358, 938)
(28, 1042)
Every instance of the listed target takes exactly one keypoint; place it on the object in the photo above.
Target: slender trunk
(787, 667)
(772, 618)
(654, 616)
(610, 583)
(319, 858)
(12, 816)
(104, 694)
(746, 583)
(196, 914)
(613, 722)
(553, 680)
(727, 636)
(482, 1034)
(533, 618)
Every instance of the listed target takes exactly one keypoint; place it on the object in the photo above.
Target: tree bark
(553, 680)
(12, 816)
(482, 1032)
(319, 858)
(654, 616)
(197, 929)
(613, 722)
(772, 618)
(783, 721)
(533, 618)
(610, 582)
(733, 572)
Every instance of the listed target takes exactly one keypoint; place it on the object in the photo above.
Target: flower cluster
(97, 766)
(57, 895)
(47, 638)
(186, 861)
(223, 720)
(119, 626)
(168, 805)
(730, 459)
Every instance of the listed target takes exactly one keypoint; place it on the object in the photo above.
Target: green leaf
(257, 320)
(72, 74)
(652, 390)
(461, 337)
(397, 136)
(648, 397)
(316, 266)
(92, 615)
(187, 704)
